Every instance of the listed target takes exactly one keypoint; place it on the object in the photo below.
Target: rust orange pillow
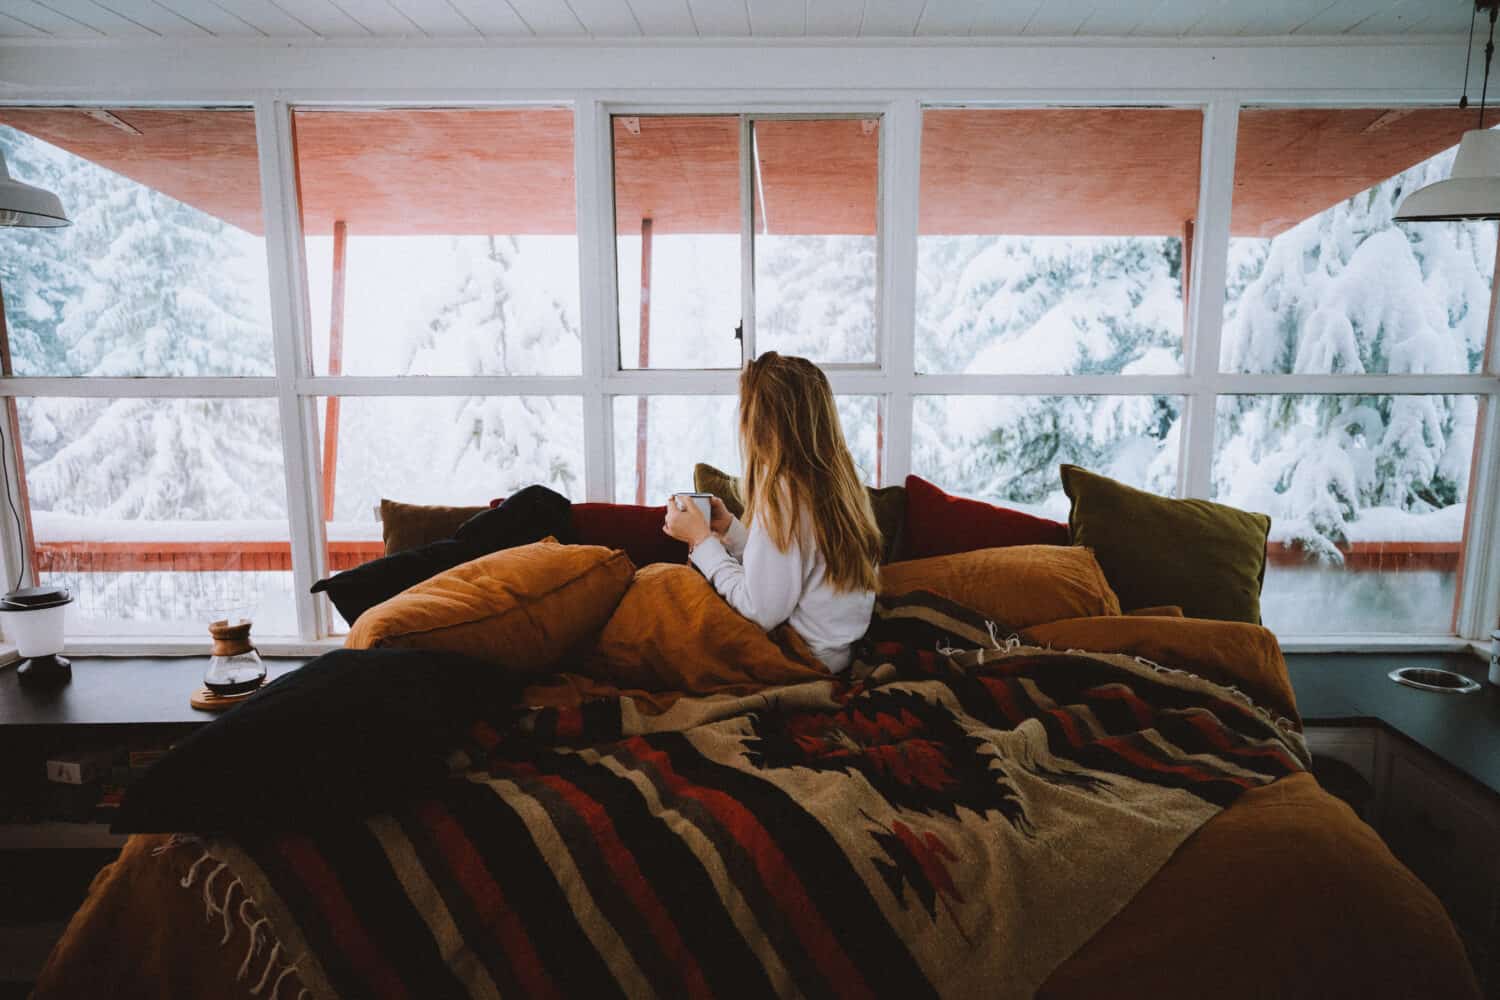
(673, 632)
(1237, 653)
(521, 608)
(1016, 586)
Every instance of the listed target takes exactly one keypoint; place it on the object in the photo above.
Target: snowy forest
(145, 285)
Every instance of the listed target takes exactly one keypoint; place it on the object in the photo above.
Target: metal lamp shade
(1471, 192)
(26, 205)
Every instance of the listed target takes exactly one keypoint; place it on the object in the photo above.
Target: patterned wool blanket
(945, 820)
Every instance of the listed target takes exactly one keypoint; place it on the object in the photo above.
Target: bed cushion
(673, 632)
(406, 526)
(888, 502)
(939, 524)
(633, 528)
(520, 608)
(1233, 653)
(1016, 587)
(529, 515)
(348, 734)
(1207, 558)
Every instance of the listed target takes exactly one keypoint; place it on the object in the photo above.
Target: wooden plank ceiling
(1091, 172)
(562, 19)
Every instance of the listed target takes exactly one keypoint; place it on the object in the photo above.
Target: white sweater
(769, 587)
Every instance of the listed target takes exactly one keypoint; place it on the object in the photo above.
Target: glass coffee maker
(236, 668)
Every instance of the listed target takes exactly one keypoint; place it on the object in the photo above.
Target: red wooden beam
(335, 367)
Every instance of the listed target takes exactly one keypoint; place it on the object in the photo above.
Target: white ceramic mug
(700, 499)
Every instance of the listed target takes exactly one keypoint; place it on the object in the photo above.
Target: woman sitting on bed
(810, 553)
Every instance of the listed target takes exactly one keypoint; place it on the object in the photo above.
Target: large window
(494, 297)
(1053, 241)
(1368, 493)
(440, 242)
(160, 514)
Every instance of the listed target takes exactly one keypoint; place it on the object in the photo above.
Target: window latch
(739, 331)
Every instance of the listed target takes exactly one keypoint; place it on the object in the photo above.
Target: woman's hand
(685, 521)
(721, 519)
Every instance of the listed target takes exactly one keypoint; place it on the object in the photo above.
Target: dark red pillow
(939, 524)
(637, 530)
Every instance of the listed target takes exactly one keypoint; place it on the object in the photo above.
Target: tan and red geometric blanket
(956, 816)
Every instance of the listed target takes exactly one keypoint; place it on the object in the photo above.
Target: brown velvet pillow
(889, 503)
(1207, 558)
(413, 525)
(521, 608)
(673, 632)
(1235, 653)
(1016, 586)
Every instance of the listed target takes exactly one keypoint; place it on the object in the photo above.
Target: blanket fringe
(220, 903)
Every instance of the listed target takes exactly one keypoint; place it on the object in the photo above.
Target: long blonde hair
(795, 454)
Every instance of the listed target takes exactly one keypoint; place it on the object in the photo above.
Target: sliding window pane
(160, 515)
(1007, 449)
(1367, 497)
(816, 197)
(677, 240)
(440, 242)
(667, 435)
(1054, 240)
(1321, 280)
(163, 270)
(443, 450)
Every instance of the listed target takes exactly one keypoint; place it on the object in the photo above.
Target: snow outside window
(1042, 250)
(1367, 497)
(160, 515)
(159, 274)
(1321, 281)
(1007, 449)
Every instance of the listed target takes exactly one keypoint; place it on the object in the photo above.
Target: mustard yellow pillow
(1016, 586)
(521, 608)
(673, 632)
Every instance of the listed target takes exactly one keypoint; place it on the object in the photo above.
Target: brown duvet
(1284, 894)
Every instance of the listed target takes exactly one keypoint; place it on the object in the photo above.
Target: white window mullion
(1210, 258)
(896, 236)
(748, 190)
(290, 321)
(598, 309)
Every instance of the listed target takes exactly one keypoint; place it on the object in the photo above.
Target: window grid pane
(1368, 503)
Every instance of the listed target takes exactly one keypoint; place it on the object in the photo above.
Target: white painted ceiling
(571, 19)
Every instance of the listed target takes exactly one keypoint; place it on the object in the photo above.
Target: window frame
(891, 378)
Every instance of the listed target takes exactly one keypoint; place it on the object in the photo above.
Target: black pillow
(528, 516)
(350, 734)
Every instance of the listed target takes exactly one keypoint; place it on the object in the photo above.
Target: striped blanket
(955, 817)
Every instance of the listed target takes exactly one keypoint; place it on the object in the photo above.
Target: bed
(1106, 805)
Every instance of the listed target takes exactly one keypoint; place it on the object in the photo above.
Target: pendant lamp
(26, 205)
(1472, 191)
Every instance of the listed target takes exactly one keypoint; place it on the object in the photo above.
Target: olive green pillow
(1207, 558)
(413, 525)
(889, 503)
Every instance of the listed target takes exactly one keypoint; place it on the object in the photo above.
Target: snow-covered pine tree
(815, 296)
(989, 304)
(1349, 291)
